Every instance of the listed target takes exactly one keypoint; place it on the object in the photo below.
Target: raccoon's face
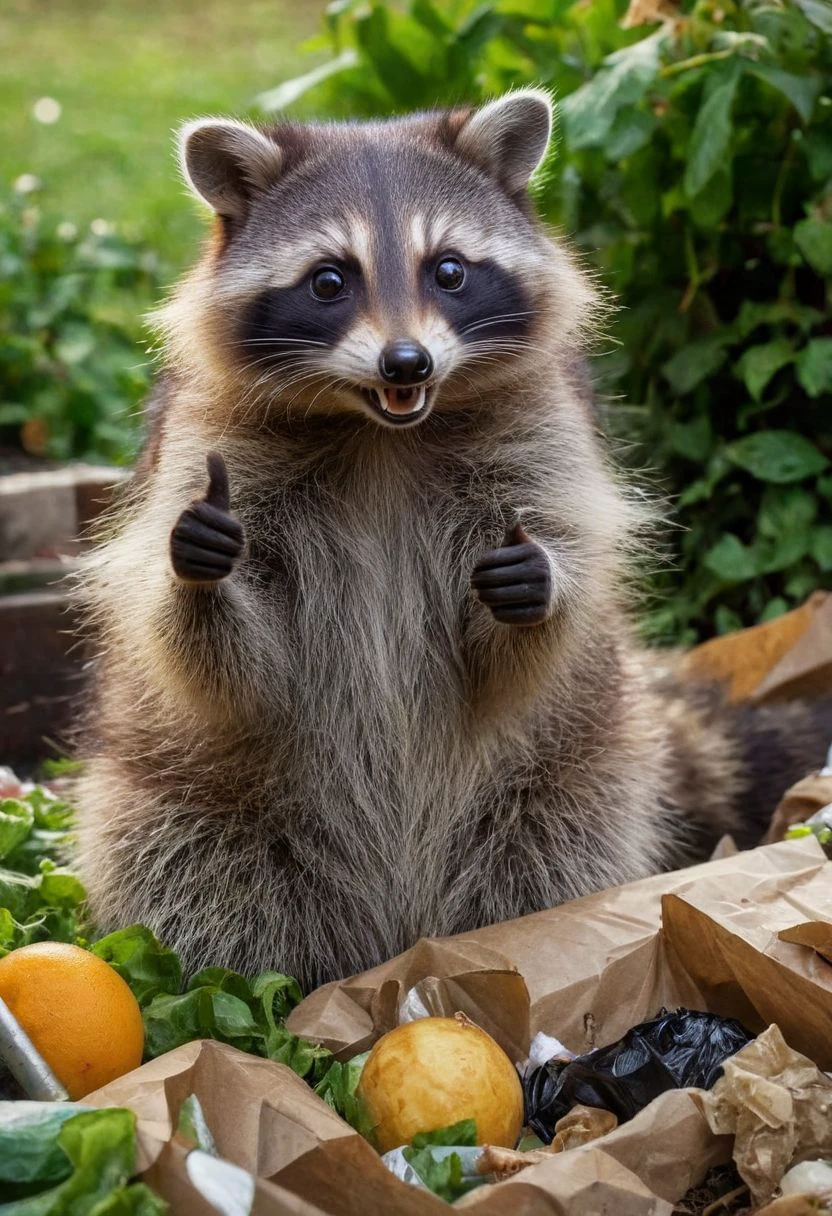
(383, 268)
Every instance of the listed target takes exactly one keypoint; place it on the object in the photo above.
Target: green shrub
(71, 368)
(694, 167)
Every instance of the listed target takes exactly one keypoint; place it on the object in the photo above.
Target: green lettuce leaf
(16, 821)
(142, 961)
(338, 1088)
(99, 1149)
(462, 1135)
(443, 1173)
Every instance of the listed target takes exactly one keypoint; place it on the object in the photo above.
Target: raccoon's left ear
(225, 162)
(508, 137)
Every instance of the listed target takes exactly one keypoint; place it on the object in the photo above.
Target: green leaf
(473, 33)
(819, 12)
(730, 560)
(443, 1176)
(777, 456)
(442, 1171)
(397, 73)
(786, 509)
(759, 364)
(459, 1135)
(781, 312)
(310, 1060)
(222, 979)
(16, 821)
(142, 961)
(278, 994)
(695, 362)
(802, 91)
(813, 238)
(290, 91)
(774, 608)
(589, 113)
(338, 1088)
(61, 889)
(428, 15)
(821, 547)
(814, 366)
(632, 130)
(711, 137)
(134, 1200)
(712, 203)
(99, 1148)
(726, 620)
(232, 1017)
(29, 1149)
(170, 1021)
(193, 1125)
(818, 148)
(692, 440)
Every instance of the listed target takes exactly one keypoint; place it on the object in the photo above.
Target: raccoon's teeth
(402, 401)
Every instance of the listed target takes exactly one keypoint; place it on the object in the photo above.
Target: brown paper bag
(168, 1177)
(586, 971)
(267, 1120)
(729, 938)
(309, 1162)
(784, 659)
(798, 804)
(593, 967)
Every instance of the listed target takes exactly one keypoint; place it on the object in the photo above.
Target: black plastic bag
(673, 1051)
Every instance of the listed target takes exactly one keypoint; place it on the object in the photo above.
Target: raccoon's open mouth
(399, 405)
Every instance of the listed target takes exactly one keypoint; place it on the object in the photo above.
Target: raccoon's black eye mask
(315, 311)
(489, 302)
(480, 300)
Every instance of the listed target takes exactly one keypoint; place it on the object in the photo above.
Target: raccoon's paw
(515, 581)
(207, 540)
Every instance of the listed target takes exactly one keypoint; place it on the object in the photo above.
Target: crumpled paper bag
(308, 1161)
(450, 975)
(778, 1106)
(261, 1114)
(174, 1177)
(804, 799)
(735, 941)
(592, 967)
(267, 1120)
(585, 972)
(784, 659)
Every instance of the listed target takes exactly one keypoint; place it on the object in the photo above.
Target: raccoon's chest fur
(367, 590)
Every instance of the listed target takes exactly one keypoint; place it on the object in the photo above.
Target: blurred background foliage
(693, 167)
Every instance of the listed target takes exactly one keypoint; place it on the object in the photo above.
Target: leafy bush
(71, 368)
(694, 167)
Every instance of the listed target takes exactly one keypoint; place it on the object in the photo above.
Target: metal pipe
(24, 1061)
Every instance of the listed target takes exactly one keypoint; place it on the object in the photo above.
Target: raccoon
(366, 668)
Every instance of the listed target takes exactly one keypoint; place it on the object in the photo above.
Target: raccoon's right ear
(508, 137)
(225, 162)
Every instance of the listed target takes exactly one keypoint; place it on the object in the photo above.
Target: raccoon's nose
(405, 362)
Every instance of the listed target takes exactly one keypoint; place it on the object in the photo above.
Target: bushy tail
(730, 764)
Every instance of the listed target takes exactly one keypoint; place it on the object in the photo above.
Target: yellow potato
(434, 1072)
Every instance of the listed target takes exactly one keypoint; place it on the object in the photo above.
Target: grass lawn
(126, 72)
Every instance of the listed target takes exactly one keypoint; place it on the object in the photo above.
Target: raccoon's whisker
(289, 363)
(496, 318)
(283, 341)
(332, 384)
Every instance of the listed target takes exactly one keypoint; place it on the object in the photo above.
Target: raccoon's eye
(327, 283)
(450, 274)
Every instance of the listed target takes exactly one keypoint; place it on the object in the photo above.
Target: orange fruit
(78, 1012)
